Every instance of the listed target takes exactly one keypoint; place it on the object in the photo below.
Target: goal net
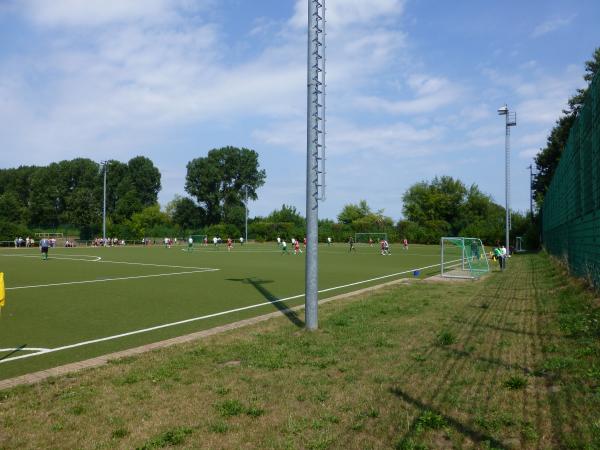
(365, 238)
(519, 244)
(463, 257)
(198, 239)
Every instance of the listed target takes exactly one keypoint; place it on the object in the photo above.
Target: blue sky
(413, 88)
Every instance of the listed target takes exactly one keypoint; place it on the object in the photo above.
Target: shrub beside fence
(571, 210)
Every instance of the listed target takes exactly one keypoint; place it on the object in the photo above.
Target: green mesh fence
(571, 211)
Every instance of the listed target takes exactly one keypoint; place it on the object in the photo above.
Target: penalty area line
(208, 316)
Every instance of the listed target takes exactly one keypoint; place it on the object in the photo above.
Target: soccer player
(498, 257)
(405, 244)
(329, 242)
(278, 241)
(297, 247)
(215, 241)
(284, 249)
(167, 243)
(304, 242)
(386, 246)
(229, 244)
(44, 244)
(351, 244)
(190, 244)
(206, 241)
(370, 242)
(382, 244)
(241, 240)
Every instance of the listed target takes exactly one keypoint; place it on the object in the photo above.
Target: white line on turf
(67, 283)
(95, 258)
(100, 260)
(208, 316)
(24, 349)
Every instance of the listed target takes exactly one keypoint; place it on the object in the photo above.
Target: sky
(413, 89)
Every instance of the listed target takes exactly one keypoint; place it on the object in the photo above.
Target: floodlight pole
(315, 149)
(246, 233)
(530, 167)
(511, 121)
(104, 163)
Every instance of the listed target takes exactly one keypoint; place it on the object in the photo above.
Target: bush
(9, 231)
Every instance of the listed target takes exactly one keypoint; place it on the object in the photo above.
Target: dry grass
(475, 365)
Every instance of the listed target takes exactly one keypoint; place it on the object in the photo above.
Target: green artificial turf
(72, 301)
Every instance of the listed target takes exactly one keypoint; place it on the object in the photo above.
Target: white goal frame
(519, 244)
(461, 268)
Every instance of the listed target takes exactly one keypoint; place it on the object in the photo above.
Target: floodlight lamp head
(503, 110)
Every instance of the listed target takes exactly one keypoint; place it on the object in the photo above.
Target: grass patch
(515, 382)
(445, 338)
(168, 438)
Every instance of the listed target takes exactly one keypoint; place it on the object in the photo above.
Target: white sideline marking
(155, 265)
(100, 260)
(209, 316)
(25, 349)
(95, 258)
(112, 279)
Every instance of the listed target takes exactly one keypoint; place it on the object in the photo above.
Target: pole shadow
(16, 350)
(258, 284)
(474, 435)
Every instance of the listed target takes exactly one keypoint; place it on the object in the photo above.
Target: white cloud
(343, 13)
(551, 25)
(78, 13)
(528, 153)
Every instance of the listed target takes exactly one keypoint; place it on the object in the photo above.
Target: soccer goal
(198, 239)
(363, 238)
(463, 257)
(519, 244)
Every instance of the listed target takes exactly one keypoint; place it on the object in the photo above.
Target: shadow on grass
(12, 352)
(474, 435)
(494, 361)
(258, 284)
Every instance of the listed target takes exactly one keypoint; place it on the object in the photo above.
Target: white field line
(209, 316)
(25, 349)
(95, 258)
(100, 260)
(155, 265)
(103, 280)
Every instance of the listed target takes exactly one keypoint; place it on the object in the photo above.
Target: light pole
(104, 165)
(246, 233)
(511, 121)
(315, 153)
(530, 167)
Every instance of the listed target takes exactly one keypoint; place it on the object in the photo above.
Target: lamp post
(246, 233)
(511, 121)
(530, 167)
(104, 165)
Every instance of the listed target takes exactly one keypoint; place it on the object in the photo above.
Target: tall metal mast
(315, 173)
(511, 121)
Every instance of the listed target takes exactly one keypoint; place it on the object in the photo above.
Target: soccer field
(84, 302)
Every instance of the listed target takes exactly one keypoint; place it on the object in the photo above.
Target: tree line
(70, 193)
(546, 161)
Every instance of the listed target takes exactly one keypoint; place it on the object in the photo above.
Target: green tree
(548, 158)
(218, 181)
(352, 212)
(184, 212)
(11, 209)
(145, 179)
(286, 214)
